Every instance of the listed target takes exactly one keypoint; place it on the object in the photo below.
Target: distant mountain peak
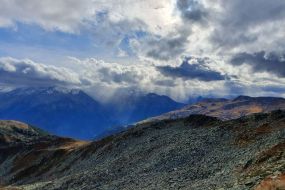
(44, 90)
(63, 90)
(154, 95)
(242, 98)
(209, 100)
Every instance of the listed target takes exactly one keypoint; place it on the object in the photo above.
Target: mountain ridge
(226, 109)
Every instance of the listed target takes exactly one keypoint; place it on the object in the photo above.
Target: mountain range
(73, 113)
(226, 109)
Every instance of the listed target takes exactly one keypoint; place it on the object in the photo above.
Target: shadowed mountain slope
(73, 113)
(198, 152)
(60, 111)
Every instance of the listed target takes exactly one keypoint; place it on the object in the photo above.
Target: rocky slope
(198, 152)
(226, 109)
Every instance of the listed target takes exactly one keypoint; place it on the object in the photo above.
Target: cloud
(248, 25)
(232, 26)
(192, 10)
(188, 71)
(72, 15)
(108, 23)
(116, 74)
(149, 37)
(103, 79)
(173, 44)
(262, 62)
(79, 73)
(64, 15)
(152, 78)
(251, 13)
(16, 73)
(128, 76)
(169, 47)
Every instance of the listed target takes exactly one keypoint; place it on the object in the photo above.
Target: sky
(179, 48)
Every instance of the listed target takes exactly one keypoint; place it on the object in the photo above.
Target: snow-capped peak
(45, 90)
(62, 90)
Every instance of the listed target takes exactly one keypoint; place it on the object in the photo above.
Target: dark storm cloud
(192, 71)
(262, 61)
(168, 47)
(243, 14)
(191, 10)
(108, 75)
(238, 19)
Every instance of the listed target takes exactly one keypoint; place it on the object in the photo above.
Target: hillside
(17, 132)
(226, 109)
(198, 152)
(27, 152)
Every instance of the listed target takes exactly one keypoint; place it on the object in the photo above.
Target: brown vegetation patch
(272, 183)
(41, 163)
(70, 146)
(23, 161)
(266, 162)
(275, 152)
(15, 124)
(10, 188)
(247, 135)
(39, 159)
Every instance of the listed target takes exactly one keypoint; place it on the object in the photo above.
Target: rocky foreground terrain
(197, 152)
